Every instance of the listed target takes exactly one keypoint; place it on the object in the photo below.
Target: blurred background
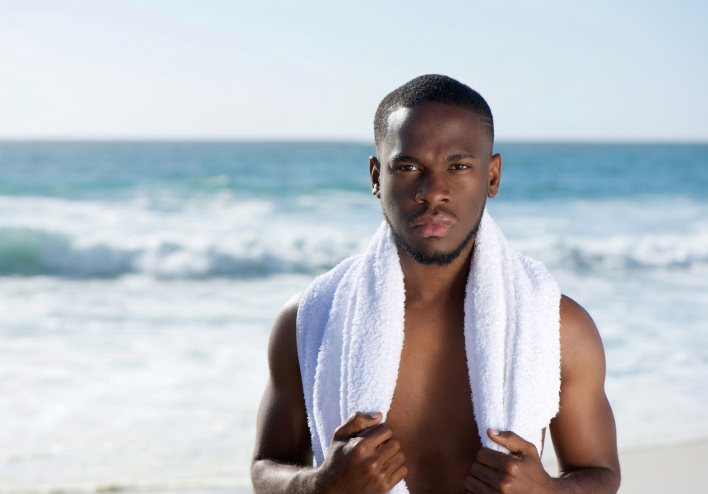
(172, 172)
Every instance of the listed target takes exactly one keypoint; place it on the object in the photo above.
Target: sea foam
(253, 253)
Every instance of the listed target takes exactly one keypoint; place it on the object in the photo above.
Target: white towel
(350, 336)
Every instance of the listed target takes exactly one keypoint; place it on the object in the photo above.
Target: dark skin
(434, 173)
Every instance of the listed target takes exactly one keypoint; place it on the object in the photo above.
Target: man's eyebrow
(404, 158)
(462, 156)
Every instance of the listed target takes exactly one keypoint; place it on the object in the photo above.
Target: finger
(376, 435)
(398, 475)
(487, 475)
(512, 442)
(476, 486)
(493, 459)
(355, 424)
(387, 449)
(393, 463)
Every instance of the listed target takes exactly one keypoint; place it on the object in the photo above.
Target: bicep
(282, 432)
(583, 432)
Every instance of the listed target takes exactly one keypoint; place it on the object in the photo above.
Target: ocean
(139, 282)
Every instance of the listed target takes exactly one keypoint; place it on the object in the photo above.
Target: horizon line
(324, 140)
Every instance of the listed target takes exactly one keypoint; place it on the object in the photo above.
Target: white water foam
(290, 250)
(228, 238)
(133, 384)
(41, 236)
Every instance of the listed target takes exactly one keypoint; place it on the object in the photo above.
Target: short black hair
(432, 88)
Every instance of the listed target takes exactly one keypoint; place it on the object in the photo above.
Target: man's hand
(519, 472)
(363, 458)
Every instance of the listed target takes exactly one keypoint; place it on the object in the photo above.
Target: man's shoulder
(581, 346)
(319, 290)
(289, 311)
(575, 320)
(282, 343)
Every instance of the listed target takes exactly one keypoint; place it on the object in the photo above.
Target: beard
(434, 258)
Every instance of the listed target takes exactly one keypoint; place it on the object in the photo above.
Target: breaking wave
(36, 252)
(30, 252)
(621, 253)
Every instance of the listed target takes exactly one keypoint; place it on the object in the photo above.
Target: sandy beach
(650, 470)
(659, 469)
(678, 468)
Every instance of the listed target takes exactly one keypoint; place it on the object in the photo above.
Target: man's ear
(375, 172)
(495, 167)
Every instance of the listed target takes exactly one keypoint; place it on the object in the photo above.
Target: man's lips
(428, 225)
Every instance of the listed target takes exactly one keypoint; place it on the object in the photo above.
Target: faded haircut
(432, 88)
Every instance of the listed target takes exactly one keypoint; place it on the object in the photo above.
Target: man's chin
(434, 256)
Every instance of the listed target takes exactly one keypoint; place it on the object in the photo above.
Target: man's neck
(435, 283)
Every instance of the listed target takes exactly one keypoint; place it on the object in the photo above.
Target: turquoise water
(138, 283)
(117, 170)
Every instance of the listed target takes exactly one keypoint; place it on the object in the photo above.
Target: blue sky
(554, 70)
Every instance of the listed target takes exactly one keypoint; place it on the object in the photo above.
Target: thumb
(513, 442)
(355, 424)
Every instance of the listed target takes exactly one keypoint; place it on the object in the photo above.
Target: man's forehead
(433, 120)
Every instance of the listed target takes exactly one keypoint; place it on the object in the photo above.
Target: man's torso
(431, 412)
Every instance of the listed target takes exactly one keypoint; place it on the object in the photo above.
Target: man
(433, 172)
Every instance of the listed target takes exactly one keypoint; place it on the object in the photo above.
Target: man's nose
(432, 189)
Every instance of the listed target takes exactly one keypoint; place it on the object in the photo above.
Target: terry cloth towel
(350, 336)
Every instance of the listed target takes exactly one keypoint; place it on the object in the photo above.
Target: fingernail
(494, 432)
(375, 415)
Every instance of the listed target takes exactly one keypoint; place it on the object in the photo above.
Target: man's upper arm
(282, 432)
(583, 432)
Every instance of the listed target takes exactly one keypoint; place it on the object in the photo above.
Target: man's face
(434, 172)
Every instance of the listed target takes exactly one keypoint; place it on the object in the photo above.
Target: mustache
(433, 212)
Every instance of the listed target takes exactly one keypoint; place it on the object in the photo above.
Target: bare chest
(431, 412)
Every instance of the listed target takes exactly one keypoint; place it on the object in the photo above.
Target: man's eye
(459, 166)
(406, 168)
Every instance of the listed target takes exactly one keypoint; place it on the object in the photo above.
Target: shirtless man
(435, 156)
